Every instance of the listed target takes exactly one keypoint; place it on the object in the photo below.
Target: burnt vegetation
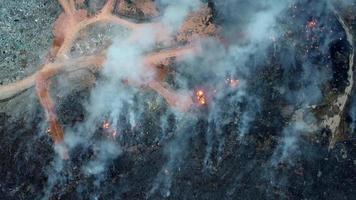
(213, 157)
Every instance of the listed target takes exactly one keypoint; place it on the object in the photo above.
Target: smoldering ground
(251, 141)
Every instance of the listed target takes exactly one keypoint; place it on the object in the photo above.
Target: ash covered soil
(264, 139)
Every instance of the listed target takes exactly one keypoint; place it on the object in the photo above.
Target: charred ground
(233, 168)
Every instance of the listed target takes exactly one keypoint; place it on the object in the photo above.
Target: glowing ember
(106, 125)
(312, 24)
(109, 131)
(200, 95)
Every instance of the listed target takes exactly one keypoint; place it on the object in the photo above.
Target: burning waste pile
(183, 99)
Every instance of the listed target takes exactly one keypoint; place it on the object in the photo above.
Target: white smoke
(112, 97)
(241, 60)
(258, 23)
(175, 11)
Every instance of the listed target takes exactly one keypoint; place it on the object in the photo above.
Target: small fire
(110, 132)
(312, 24)
(106, 125)
(200, 95)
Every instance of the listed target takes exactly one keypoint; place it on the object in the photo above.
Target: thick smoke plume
(112, 97)
(249, 29)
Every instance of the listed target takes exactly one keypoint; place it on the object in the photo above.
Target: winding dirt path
(333, 122)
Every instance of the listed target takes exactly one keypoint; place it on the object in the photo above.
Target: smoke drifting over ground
(266, 77)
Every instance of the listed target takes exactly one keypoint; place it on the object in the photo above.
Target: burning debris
(200, 97)
(312, 24)
(106, 125)
(109, 131)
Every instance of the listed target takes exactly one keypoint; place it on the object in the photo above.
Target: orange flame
(312, 24)
(106, 125)
(109, 131)
(200, 95)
